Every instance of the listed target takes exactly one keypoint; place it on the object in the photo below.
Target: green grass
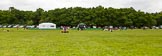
(80, 43)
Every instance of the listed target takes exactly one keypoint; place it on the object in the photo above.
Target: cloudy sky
(143, 5)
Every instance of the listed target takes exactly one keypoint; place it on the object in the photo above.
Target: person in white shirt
(110, 28)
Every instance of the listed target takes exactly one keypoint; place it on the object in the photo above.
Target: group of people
(79, 28)
(64, 29)
(110, 28)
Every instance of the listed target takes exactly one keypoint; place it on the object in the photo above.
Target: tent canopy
(47, 26)
(81, 24)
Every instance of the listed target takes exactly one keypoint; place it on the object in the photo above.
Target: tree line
(97, 16)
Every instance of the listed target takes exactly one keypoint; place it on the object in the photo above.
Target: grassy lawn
(81, 43)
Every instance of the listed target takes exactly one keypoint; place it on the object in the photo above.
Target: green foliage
(98, 16)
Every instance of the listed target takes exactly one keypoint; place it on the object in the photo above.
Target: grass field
(81, 43)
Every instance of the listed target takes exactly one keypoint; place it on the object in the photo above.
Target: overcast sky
(143, 5)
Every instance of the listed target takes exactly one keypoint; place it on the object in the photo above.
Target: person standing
(111, 28)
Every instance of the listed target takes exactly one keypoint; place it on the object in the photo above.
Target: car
(160, 27)
(15, 26)
(1, 26)
(30, 26)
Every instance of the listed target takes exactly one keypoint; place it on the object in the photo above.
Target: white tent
(47, 26)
